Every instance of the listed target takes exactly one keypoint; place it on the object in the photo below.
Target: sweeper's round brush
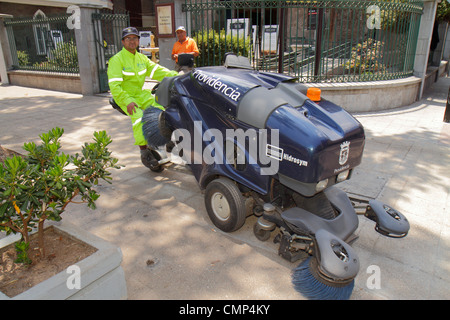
(151, 128)
(308, 280)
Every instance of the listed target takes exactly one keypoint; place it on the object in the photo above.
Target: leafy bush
(40, 185)
(365, 58)
(64, 56)
(443, 11)
(23, 58)
(213, 45)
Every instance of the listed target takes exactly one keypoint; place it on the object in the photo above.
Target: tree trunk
(41, 237)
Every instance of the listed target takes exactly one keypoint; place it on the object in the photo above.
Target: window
(40, 31)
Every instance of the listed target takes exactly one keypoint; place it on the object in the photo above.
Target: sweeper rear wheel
(225, 204)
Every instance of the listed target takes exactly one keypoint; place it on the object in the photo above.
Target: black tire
(164, 130)
(225, 205)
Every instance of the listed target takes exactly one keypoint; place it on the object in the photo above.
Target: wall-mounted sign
(238, 27)
(165, 20)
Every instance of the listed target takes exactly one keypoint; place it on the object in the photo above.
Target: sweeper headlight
(342, 176)
(322, 184)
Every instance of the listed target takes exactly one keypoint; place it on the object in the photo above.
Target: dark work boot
(149, 160)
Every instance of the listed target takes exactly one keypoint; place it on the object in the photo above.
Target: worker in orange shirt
(183, 45)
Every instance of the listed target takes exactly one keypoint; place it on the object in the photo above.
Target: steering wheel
(155, 88)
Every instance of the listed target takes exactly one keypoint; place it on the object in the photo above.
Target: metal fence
(316, 41)
(108, 39)
(43, 44)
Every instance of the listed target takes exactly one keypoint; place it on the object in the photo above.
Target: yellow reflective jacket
(126, 77)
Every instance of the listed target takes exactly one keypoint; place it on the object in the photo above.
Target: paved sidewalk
(170, 248)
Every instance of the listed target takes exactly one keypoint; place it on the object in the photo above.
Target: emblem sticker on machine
(343, 154)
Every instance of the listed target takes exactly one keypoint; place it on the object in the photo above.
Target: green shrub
(443, 12)
(213, 45)
(23, 58)
(366, 58)
(63, 57)
(40, 185)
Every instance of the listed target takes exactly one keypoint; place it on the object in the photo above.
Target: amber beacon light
(313, 94)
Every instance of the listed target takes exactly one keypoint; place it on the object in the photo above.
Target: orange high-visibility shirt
(188, 45)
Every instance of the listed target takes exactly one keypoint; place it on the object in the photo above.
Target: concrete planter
(101, 275)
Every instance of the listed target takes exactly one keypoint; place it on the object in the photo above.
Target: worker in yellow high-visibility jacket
(127, 71)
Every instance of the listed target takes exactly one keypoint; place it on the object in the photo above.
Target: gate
(108, 39)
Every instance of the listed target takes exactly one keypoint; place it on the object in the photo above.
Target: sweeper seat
(116, 106)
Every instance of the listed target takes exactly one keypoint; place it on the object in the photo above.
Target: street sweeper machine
(260, 143)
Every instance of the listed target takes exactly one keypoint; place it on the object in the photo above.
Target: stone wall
(46, 80)
(371, 96)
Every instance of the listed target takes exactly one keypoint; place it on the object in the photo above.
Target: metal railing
(316, 41)
(43, 44)
(108, 39)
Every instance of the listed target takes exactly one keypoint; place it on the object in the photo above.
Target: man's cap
(180, 28)
(128, 31)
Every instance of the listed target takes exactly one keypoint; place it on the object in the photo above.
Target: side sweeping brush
(151, 128)
(310, 284)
